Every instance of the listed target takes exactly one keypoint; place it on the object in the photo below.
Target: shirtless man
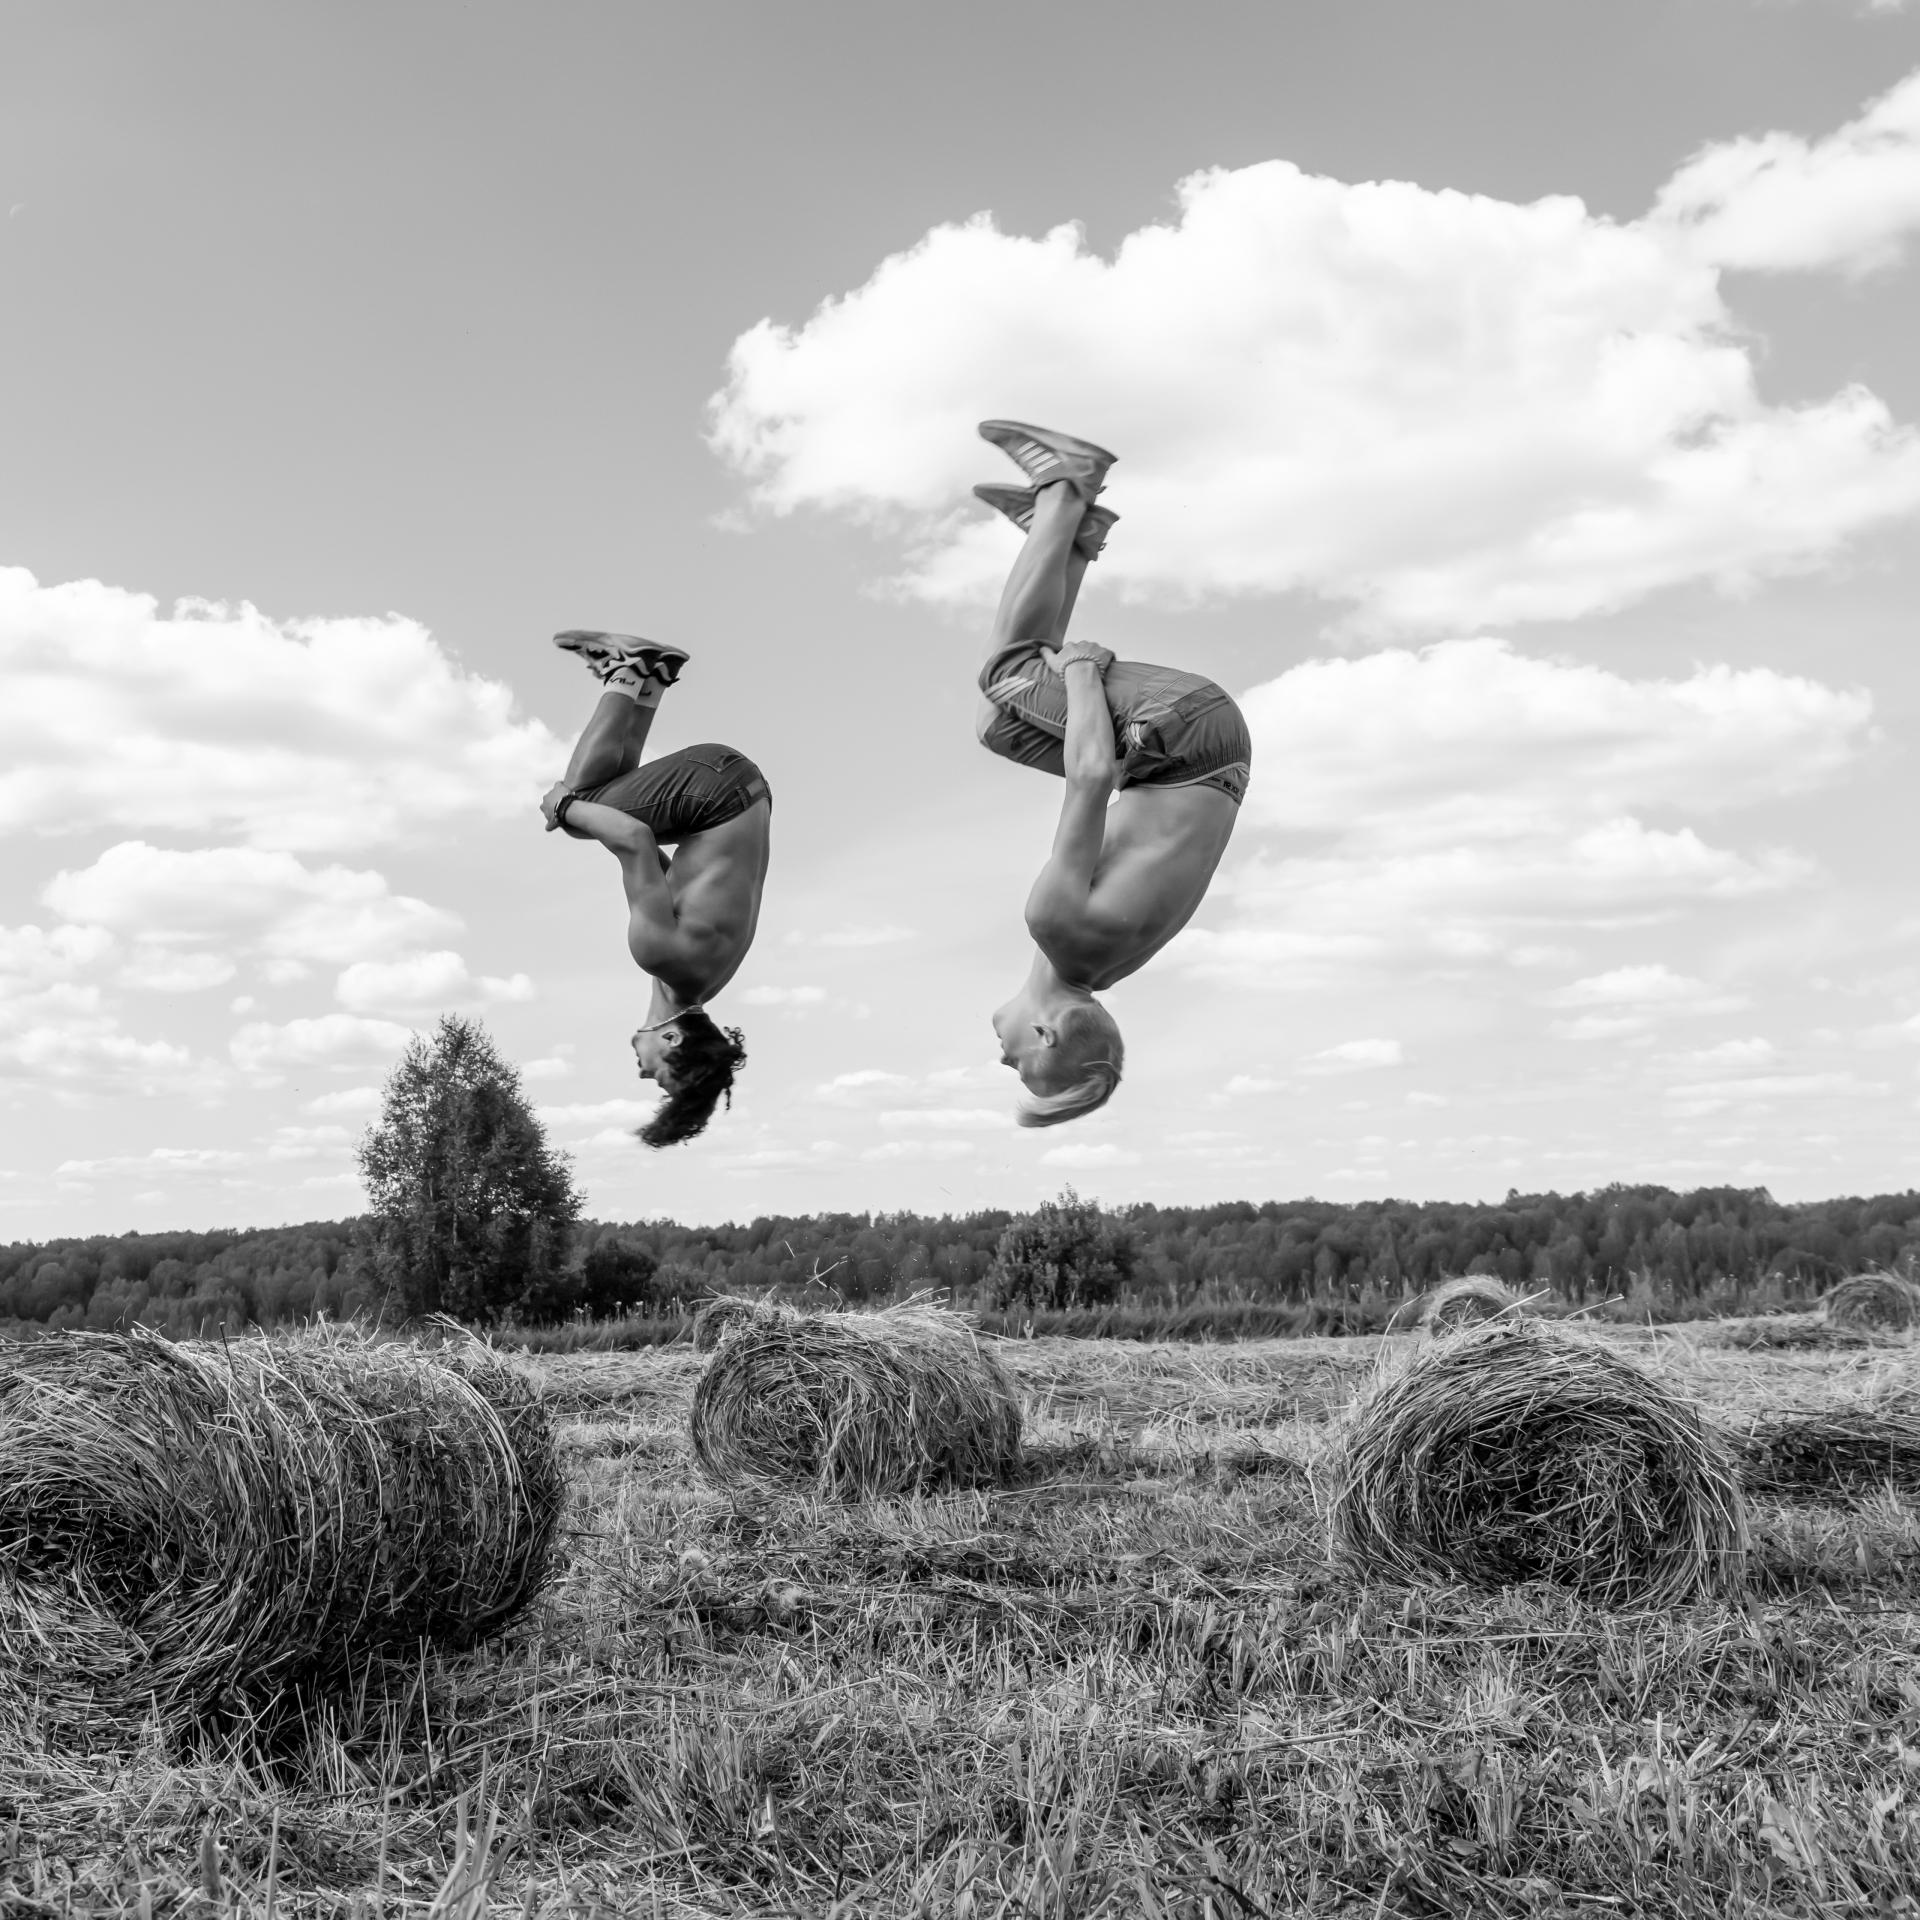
(690, 916)
(1169, 749)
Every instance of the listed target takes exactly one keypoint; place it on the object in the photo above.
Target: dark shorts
(1170, 729)
(688, 792)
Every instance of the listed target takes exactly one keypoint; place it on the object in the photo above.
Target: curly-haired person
(691, 915)
(1155, 763)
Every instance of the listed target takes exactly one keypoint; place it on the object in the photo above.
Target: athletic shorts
(1170, 729)
(688, 792)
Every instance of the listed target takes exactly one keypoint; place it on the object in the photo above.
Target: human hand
(550, 803)
(1077, 653)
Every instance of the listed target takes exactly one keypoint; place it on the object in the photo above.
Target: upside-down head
(693, 1062)
(1067, 1051)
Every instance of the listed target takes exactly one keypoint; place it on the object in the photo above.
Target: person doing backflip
(1168, 749)
(690, 915)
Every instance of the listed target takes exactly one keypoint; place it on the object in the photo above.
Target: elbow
(1093, 774)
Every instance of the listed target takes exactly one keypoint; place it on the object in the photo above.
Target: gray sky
(1551, 510)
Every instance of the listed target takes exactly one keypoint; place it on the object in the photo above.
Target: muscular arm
(1057, 906)
(653, 923)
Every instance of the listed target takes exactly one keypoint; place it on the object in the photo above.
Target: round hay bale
(1833, 1451)
(213, 1528)
(1881, 1302)
(855, 1405)
(1464, 1301)
(721, 1315)
(1509, 1454)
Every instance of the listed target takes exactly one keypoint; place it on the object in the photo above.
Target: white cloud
(1727, 1056)
(356, 1101)
(1355, 1056)
(854, 1089)
(152, 968)
(1699, 1097)
(597, 1113)
(423, 982)
(1630, 999)
(1082, 1156)
(265, 900)
(34, 955)
(1244, 1083)
(784, 996)
(1440, 408)
(945, 1120)
(1779, 203)
(333, 1040)
(552, 1066)
(301, 735)
(909, 1150)
(1471, 801)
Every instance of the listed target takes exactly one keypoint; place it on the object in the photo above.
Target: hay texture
(1509, 1453)
(1464, 1302)
(720, 1316)
(1834, 1451)
(212, 1528)
(1877, 1302)
(855, 1405)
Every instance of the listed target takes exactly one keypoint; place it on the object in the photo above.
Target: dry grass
(1881, 1302)
(855, 1405)
(1510, 1453)
(1133, 1691)
(207, 1529)
(718, 1317)
(1464, 1301)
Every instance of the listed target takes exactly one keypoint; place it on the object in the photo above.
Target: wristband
(560, 808)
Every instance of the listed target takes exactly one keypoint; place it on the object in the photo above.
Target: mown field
(1131, 1685)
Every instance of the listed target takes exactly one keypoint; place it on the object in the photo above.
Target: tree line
(475, 1215)
(1582, 1247)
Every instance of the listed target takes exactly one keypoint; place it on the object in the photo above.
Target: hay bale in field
(855, 1405)
(1464, 1301)
(1881, 1302)
(1510, 1453)
(213, 1528)
(1836, 1450)
(716, 1318)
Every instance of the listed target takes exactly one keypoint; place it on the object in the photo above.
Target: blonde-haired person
(1155, 763)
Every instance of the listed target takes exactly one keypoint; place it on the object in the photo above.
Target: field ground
(1132, 1686)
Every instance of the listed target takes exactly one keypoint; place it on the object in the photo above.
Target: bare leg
(611, 743)
(1046, 576)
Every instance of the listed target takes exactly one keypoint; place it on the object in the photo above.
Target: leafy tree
(472, 1210)
(1068, 1253)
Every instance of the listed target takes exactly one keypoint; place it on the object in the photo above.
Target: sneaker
(1045, 456)
(1017, 504)
(609, 653)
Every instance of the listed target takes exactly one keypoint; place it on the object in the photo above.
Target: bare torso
(1158, 853)
(715, 880)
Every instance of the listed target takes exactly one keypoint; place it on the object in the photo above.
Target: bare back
(1158, 854)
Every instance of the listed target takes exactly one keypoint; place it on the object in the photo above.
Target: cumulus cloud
(861, 1086)
(790, 997)
(1472, 805)
(855, 937)
(1630, 1000)
(1082, 1157)
(1355, 1056)
(915, 1150)
(1438, 408)
(304, 735)
(333, 1040)
(266, 900)
(356, 1101)
(424, 982)
(1779, 203)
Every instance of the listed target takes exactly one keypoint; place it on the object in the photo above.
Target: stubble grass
(1132, 1685)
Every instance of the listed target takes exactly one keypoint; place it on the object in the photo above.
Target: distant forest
(1677, 1249)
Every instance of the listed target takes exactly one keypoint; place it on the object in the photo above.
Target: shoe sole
(607, 653)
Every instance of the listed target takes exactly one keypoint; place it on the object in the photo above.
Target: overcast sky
(1515, 404)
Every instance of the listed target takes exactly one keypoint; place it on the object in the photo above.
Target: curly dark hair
(704, 1064)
